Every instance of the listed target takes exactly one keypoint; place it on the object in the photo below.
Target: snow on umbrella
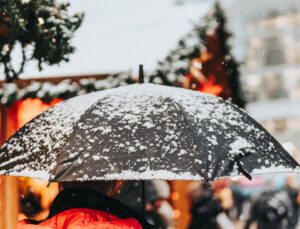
(143, 131)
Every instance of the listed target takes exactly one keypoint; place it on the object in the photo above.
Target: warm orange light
(210, 87)
(197, 80)
(176, 213)
(29, 108)
(175, 196)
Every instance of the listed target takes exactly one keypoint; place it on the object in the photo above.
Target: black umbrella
(143, 131)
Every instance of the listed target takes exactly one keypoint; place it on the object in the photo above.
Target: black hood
(84, 198)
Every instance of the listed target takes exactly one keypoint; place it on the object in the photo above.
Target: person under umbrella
(143, 132)
(88, 205)
(274, 209)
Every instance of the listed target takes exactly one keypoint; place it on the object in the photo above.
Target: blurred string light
(5, 49)
(175, 196)
(41, 21)
(254, 80)
(176, 213)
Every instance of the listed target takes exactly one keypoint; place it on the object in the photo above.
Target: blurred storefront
(267, 41)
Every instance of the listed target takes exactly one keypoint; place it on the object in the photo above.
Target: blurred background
(245, 51)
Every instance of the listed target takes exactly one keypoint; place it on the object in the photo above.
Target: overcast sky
(117, 35)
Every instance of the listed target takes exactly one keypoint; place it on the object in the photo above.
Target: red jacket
(79, 218)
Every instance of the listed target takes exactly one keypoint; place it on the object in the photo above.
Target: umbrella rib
(199, 170)
(236, 158)
(286, 157)
(52, 173)
(241, 169)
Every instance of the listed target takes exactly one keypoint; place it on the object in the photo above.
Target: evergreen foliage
(231, 65)
(42, 28)
(209, 35)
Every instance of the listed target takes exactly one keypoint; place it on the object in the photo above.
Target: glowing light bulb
(175, 196)
(41, 21)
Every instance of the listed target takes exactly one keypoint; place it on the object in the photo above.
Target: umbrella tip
(141, 74)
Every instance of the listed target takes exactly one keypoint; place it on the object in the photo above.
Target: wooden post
(8, 202)
(9, 198)
(182, 204)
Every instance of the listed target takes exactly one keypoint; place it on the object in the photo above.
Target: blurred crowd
(265, 202)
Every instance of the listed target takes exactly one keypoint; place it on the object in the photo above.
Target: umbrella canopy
(143, 131)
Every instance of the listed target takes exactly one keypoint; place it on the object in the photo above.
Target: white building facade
(267, 41)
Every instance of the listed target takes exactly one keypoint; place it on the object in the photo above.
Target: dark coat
(76, 198)
(273, 209)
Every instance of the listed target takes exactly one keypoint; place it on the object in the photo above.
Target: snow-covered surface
(26, 172)
(238, 145)
(118, 35)
(275, 169)
(142, 131)
(149, 174)
(47, 133)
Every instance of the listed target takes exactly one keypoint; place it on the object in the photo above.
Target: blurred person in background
(243, 189)
(206, 210)
(158, 210)
(274, 209)
(35, 198)
(160, 214)
(29, 205)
